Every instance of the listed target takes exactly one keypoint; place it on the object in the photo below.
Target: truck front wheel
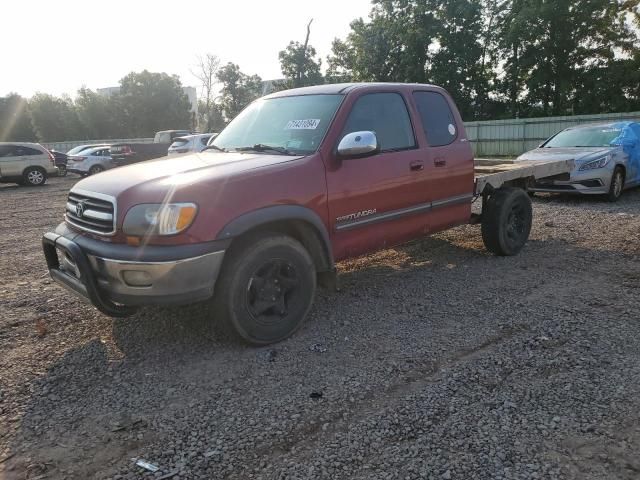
(506, 221)
(266, 289)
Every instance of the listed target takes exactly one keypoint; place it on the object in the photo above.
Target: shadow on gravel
(419, 254)
(590, 202)
(161, 331)
(60, 396)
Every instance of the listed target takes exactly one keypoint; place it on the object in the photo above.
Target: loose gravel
(435, 360)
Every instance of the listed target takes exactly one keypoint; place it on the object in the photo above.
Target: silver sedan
(607, 159)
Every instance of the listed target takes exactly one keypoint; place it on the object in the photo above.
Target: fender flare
(278, 213)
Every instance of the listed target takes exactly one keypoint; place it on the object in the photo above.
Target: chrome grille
(92, 212)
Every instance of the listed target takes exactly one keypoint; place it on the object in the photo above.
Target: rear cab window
(438, 121)
(387, 116)
(162, 137)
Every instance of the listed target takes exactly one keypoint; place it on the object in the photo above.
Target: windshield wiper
(261, 147)
(213, 147)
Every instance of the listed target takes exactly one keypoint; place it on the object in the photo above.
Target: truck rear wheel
(265, 290)
(506, 221)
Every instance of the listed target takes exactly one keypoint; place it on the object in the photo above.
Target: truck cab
(300, 180)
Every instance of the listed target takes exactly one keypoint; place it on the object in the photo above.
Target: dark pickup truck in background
(300, 180)
(128, 153)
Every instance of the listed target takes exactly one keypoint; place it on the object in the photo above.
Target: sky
(58, 46)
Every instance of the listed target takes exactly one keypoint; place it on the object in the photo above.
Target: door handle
(416, 166)
(440, 162)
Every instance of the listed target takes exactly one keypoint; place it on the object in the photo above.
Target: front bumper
(77, 167)
(588, 182)
(118, 278)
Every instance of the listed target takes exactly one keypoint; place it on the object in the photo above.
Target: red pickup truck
(298, 181)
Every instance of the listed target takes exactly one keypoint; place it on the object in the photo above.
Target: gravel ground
(435, 360)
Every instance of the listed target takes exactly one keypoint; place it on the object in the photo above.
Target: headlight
(599, 163)
(159, 219)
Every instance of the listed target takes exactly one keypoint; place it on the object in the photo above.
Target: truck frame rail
(491, 174)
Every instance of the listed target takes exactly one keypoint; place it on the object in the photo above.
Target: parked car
(81, 148)
(298, 181)
(60, 160)
(90, 161)
(607, 159)
(128, 153)
(25, 163)
(190, 143)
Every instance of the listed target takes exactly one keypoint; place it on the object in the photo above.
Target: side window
(437, 118)
(163, 137)
(385, 114)
(7, 150)
(26, 151)
(204, 140)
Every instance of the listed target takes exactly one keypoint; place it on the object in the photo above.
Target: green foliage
(501, 58)
(99, 115)
(15, 123)
(150, 102)
(210, 117)
(53, 118)
(298, 65)
(556, 53)
(238, 90)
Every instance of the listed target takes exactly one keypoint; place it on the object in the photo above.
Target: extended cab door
(451, 170)
(383, 199)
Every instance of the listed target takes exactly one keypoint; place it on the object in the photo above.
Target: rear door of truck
(441, 132)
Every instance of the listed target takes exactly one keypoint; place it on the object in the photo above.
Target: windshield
(601, 136)
(297, 123)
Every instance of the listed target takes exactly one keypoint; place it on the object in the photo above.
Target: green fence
(513, 137)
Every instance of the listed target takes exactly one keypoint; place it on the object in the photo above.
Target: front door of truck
(383, 199)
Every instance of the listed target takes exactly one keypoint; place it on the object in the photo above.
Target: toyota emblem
(79, 209)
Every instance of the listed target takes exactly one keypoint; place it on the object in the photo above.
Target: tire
(34, 177)
(96, 169)
(62, 171)
(617, 185)
(506, 221)
(265, 289)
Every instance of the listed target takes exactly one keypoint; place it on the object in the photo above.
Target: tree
(552, 48)
(15, 123)
(208, 111)
(210, 117)
(54, 118)
(391, 47)
(298, 64)
(500, 58)
(238, 89)
(100, 116)
(458, 62)
(151, 102)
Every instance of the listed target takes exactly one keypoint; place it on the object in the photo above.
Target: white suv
(25, 163)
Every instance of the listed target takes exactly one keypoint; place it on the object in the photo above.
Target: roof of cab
(341, 88)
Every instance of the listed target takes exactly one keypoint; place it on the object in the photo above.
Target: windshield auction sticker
(308, 124)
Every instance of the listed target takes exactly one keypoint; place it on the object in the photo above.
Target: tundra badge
(356, 215)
